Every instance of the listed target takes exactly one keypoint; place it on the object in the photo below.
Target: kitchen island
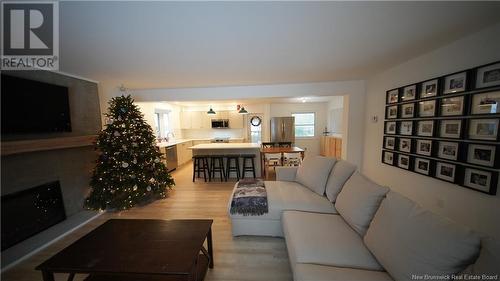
(230, 148)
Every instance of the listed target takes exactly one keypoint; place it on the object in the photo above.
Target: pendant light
(243, 110)
(211, 111)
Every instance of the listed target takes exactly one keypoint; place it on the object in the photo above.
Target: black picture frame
(405, 145)
(473, 126)
(447, 130)
(429, 88)
(385, 159)
(482, 154)
(443, 173)
(485, 103)
(481, 180)
(407, 110)
(424, 147)
(424, 170)
(445, 150)
(429, 107)
(387, 145)
(422, 128)
(403, 128)
(448, 109)
(388, 127)
(454, 83)
(388, 112)
(389, 94)
(404, 162)
(408, 93)
(479, 74)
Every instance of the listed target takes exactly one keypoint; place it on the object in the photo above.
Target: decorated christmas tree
(129, 169)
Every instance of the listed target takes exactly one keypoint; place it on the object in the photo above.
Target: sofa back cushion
(314, 171)
(358, 201)
(408, 240)
(340, 173)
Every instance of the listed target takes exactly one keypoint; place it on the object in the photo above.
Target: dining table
(280, 150)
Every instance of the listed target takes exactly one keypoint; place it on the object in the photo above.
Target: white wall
(320, 110)
(468, 207)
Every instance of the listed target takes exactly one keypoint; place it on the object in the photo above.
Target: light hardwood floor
(236, 258)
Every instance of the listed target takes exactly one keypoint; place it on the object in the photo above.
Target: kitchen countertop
(179, 141)
(235, 145)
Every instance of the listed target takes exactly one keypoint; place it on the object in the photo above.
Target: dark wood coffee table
(130, 249)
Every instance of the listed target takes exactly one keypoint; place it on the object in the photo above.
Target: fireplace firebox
(30, 211)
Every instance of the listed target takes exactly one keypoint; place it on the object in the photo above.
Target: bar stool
(233, 158)
(252, 166)
(200, 164)
(217, 165)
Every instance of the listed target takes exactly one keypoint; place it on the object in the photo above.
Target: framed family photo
(409, 93)
(486, 103)
(406, 128)
(446, 171)
(392, 112)
(450, 129)
(425, 128)
(424, 147)
(455, 83)
(408, 110)
(393, 96)
(482, 154)
(422, 166)
(488, 75)
(390, 142)
(429, 89)
(427, 108)
(390, 128)
(452, 106)
(388, 158)
(404, 145)
(483, 129)
(448, 150)
(404, 161)
(479, 179)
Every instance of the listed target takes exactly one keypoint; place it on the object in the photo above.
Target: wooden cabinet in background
(331, 146)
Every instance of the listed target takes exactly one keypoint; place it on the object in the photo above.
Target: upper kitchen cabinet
(195, 120)
(185, 120)
(235, 120)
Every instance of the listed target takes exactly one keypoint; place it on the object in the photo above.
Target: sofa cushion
(325, 239)
(406, 239)
(284, 195)
(314, 171)
(314, 272)
(340, 173)
(488, 261)
(359, 200)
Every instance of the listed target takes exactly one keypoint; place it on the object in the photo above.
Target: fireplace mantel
(24, 146)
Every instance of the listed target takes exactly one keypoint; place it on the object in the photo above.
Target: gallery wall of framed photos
(447, 128)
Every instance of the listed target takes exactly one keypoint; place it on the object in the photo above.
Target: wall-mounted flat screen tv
(30, 107)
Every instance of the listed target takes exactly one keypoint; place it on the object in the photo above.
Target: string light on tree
(129, 170)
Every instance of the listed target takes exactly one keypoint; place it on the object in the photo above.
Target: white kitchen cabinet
(235, 120)
(185, 120)
(184, 154)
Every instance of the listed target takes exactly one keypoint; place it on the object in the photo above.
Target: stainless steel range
(220, 140)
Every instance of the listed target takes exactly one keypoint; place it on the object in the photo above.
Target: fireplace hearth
(30, 211)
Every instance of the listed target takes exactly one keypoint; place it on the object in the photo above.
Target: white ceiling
(309, 99)
(195, 44)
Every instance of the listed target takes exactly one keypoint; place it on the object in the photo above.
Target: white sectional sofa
(339, 225)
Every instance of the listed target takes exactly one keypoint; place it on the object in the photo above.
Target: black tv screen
(33, 107)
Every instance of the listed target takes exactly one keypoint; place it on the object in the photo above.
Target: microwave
(220, 123)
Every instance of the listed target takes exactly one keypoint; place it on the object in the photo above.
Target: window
(304, 124)
(162, 123)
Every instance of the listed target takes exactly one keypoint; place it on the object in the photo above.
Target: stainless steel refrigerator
(283, 129)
